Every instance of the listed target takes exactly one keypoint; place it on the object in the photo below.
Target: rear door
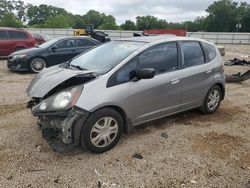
(5, 43)
(196, 74)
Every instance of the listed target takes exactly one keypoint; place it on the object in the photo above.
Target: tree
(10, 20)
(39, 14)
(93, 17)
(150, 22)
(222, 16)
(58, 21)
(108, 26)
(129, 25)
(5, 7)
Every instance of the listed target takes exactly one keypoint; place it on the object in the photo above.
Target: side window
(84, 42)
(209, 51)
(125, 74)
(18, 35)
(193, 54)
(3, 35)
(66, 44)
(161, 57)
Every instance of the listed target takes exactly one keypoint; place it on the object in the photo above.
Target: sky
(170, 10)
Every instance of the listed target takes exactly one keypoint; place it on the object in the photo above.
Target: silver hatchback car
(93, 98)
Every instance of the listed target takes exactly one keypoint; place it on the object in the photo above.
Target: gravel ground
(185, 150)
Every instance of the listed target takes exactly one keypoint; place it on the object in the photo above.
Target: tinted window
(193, 54)
(125, 74)
(66, 44)
(209, 51)
(17, 35)
(85, 42)
(162, 58)
(3, 35)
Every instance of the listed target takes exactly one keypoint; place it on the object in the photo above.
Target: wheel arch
(127, 125)
(222, 89)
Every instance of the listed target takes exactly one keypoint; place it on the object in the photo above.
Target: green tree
(10, 20)
(108, 26)
(6, 7)
(39, 14)
(59, 21)
(129, 25)
(150, 22)
(222, 16)
(93, 17)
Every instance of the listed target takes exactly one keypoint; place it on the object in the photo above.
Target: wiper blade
(78, 67)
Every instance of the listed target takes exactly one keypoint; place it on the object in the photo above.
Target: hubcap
(37, 65)
(213, 100)
(104, 132)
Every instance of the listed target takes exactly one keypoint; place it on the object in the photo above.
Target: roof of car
(149, 39)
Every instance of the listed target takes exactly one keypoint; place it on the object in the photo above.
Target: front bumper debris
(62, 129)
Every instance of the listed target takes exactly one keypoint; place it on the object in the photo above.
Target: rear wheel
(37, 65)
(102, 130)
(212, 100)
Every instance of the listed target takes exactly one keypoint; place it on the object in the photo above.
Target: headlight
(19, 56)
(63, 100)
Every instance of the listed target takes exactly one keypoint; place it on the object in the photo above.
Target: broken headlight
(63, 100)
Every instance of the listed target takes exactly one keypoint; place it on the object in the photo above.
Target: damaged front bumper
(62, 129)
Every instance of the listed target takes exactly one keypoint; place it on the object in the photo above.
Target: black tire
(88, 126)
(205, 108)
(34, 69)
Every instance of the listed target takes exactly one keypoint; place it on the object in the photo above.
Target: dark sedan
(50, 53)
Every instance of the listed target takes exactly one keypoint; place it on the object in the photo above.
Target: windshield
(105, 57)
(48, 43)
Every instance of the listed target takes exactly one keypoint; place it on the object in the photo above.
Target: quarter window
(17, 35)
(193, 54)
(3, 35)
(162, 58)
(209, 51)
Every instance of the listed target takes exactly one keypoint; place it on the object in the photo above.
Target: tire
(212, 100)
(37, 64)
(102, 130)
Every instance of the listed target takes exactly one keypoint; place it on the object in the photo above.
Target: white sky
(170, 10)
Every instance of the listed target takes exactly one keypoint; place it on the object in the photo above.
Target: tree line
(222, 16)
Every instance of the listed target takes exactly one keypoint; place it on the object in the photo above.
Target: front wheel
(212, 100)
(102, 130)
(37, 65)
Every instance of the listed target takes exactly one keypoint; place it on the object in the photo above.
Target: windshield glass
(48, 43)
(105, 57)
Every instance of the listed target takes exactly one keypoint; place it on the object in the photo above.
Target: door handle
(209, 70)
(175, 81)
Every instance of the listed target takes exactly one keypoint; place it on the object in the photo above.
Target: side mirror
(145, 73)
(53, 48)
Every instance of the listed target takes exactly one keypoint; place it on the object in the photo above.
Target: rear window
(193, 54)
(18, 35)
(3, 35)
(209, 51)
(85, 42)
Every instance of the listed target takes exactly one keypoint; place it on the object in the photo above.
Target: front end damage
(54, 94)
(62, 129)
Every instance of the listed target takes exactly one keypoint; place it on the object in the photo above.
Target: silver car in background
(93, 98)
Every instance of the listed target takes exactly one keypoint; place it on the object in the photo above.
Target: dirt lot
(185, 150)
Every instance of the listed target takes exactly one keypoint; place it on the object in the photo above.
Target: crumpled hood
(49, 78)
